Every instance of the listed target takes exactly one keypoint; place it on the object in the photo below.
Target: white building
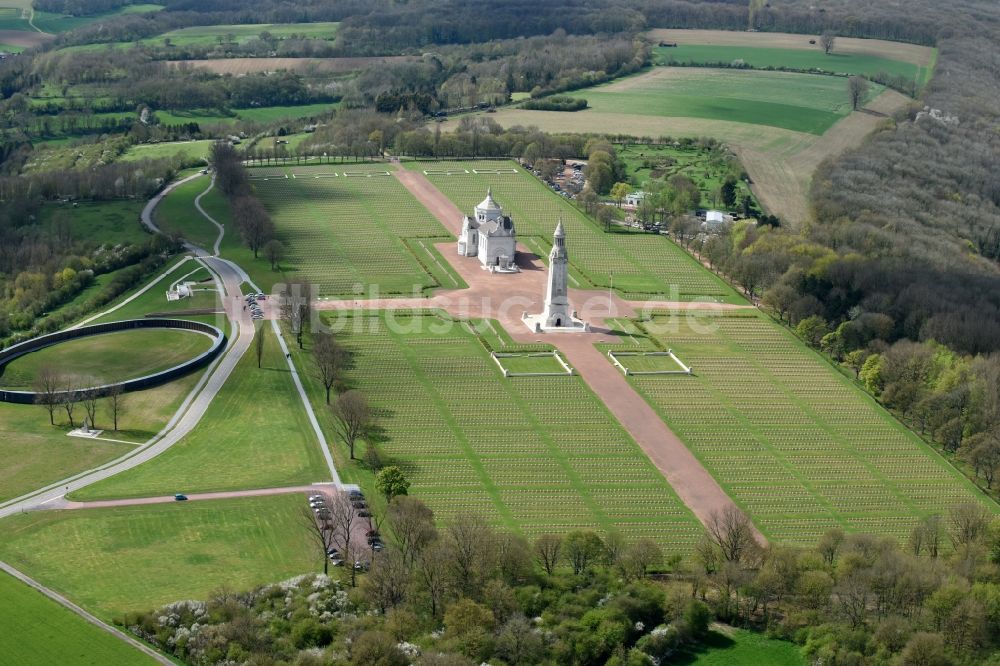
(635, 199)
(557, 317)
(716, 221)
(490, 235)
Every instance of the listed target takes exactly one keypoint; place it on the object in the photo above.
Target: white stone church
(490, 235)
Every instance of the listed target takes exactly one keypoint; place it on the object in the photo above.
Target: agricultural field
(39, 630)
(193, 151)
(110, 357)
(345, 233)
(643, 265)
(806, 59)
(57, 23)
(255, 434)
(133, 558)
(798, 102)
(539, 454)
(922, 56)
(792, 441)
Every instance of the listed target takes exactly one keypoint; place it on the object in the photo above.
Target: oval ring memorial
(136, 384)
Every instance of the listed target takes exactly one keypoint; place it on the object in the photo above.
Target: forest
(467, 593)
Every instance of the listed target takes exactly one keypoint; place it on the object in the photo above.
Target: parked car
(180, 498)
(364, 513)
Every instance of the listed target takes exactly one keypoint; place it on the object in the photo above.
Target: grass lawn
(109, 357)
(738, 647)
(34, 453)
(267, 114)
(154, 301)
(801, 59)
(254, 435)
(200, 116)
(792, 440)
(38, 630)
(643, 265)
(800, 102)
(538, 454)
(531, 363)
(134, 558)
(176, 214)
(105, 223)
(193, 151)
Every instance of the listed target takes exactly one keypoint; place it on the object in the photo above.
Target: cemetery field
(643, 265)
(39, 630)
(811, 58)
(798, 102)
(537, 454)
(359, 233)
(134, 558)
(109, 357)
(791, 440)
(255, 434)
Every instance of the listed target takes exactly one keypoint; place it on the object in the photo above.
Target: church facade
(490, 235)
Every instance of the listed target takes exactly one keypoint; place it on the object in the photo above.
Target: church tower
(556, 312)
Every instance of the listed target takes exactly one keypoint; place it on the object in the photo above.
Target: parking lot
(335, 510)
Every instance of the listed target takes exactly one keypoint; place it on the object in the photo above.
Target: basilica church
(490, 235)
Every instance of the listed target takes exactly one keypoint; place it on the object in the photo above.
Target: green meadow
(796, 59)
(133, 558)
(800, 102)
(37, 630)
(109, 357)
(255, 434)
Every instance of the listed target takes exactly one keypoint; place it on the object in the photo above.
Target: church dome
(489, 204)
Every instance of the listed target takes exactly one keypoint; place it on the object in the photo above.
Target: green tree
(812, 329)
(619, 191)
(871, 374)
(727, 191)
(390, 481)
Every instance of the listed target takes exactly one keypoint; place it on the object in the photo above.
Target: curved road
(195, 405)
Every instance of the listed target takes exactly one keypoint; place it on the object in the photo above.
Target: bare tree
(116, 403)
(259, 338)
(46, 386)
(343, 518)
(732, 532)
(68, 398)
(321, 533)
(857, 89)
(330, 358)
(471, 552)
(254, 223)
(387, 582)
(431, 574)
(548, 551)
(967, 522)
(826, 40)
(295, 307)
(412, 525)
(89, 399)
(352, 417)
(640, 556)
(274, 251)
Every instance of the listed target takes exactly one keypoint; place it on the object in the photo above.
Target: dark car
(180, 498)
